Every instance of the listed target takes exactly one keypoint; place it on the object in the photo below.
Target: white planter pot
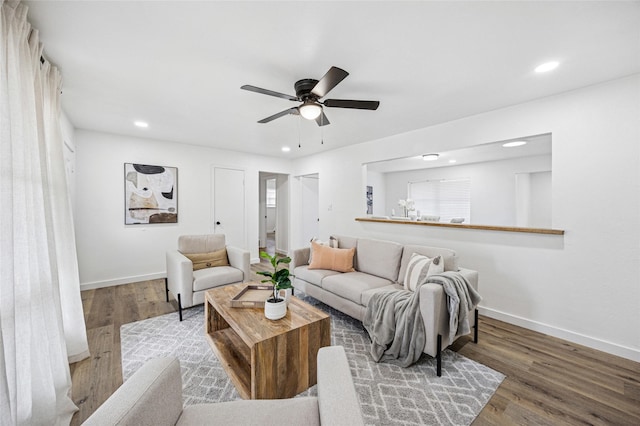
(275, 311)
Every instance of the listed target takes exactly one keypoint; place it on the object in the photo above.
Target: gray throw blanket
(394, 322)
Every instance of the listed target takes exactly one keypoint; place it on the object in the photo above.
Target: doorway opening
(274, 217)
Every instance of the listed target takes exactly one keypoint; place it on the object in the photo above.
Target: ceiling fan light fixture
(310, 110)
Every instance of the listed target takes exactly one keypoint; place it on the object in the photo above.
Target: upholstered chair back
(188, 244)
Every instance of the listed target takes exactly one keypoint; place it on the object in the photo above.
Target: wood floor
(549, 381)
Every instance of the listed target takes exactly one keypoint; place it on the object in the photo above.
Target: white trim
(581, 339)
(120, 281)
(255, 260)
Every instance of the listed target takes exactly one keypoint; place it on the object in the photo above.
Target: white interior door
(228, 205)
(310, 206)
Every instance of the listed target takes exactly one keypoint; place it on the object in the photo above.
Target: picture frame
(150, 194)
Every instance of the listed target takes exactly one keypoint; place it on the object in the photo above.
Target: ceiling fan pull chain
(322, 129)
(299, 146)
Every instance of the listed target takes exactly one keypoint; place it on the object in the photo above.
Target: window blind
(271, 197)
(447, 198)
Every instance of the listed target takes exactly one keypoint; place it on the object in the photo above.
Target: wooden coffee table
(265, 359)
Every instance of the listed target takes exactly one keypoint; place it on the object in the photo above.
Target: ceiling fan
(309, 92)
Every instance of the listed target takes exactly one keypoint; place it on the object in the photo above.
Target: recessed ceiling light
(547, 66)
(286, 149)
(430, 157)
(452, 161)
(514, 143)
(142, 124)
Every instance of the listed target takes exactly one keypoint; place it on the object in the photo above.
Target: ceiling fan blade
(347, 103)
(268, 92)
(293, 110)
(330, 80)
(322, 120)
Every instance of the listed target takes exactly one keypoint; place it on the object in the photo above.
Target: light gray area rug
(389, 395)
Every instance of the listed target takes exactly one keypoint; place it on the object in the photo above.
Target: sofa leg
(166, 288)
(179, 306)
(439, 357)
(475, 327)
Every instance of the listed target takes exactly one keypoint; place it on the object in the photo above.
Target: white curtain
(39, 291)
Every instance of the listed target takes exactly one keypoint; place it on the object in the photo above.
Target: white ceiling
(179, 65)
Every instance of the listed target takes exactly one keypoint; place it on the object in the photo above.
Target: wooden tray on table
(252, 296)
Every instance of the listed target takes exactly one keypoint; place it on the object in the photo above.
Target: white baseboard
(581, 339)
(254, 260)
(120, 281)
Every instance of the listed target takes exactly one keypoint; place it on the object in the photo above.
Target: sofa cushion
(293, 411)
(325, 257)
(351, 285)
(348, 242)
(420, 268)
(345, 242)
(448, 256)
(208, 260)
(331, 243)
(366, 295)
(214, 277)
(379, 258)
(313, 276)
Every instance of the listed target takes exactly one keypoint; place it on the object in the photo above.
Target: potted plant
(276, 307)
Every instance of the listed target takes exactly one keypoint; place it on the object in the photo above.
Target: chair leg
(439, 357)
(179, 306)
(475, 327)
(166, 288)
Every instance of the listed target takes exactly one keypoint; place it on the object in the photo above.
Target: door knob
(218, 223)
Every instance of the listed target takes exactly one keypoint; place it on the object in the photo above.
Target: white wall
(540, 194)
(378, 182)
(111, 253)
(493, 186)
(582, 286)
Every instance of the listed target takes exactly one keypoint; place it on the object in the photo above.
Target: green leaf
(281, 274)
(265, 273)
(265, 255)
(284, 260)
(286, 283)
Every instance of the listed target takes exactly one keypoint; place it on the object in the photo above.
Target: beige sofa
(382, 265)
(153, 396)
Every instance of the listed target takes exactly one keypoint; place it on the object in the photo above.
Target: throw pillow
(335, 259)
(420, 268)
(333, 242)
(208, 260)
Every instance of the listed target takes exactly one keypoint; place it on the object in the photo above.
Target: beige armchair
(193, 268)
(153, 396)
